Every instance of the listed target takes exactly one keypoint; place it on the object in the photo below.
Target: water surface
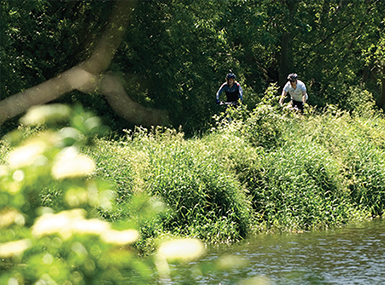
(350, 255)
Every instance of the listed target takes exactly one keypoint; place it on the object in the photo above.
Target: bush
(44, 241)
(298, 187)
(265, 123)
(204, 197)
(360, 102)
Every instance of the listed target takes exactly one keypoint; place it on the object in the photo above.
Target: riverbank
(269, 171)
(91, 203)
(266, 171)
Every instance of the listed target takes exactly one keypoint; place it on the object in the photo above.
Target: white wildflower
(25, 155)
(60, 223)
(69, 163)
(41, 114)
(10, 216)
(92, 226)
(120, 237)
(13, 248)
(181, 249)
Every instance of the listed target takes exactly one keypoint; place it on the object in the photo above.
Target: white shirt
(296, 94)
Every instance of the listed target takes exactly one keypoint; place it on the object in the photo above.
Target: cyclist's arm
(304, 96)
(240, 93)
(219, 92)
(283, 95)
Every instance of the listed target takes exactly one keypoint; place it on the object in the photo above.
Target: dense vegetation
(266, 170)
(175, 54)
(80, 208)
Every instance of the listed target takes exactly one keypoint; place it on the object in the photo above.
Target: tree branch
(88, 77)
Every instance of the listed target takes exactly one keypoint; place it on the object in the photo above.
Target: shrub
(204, 197)
(360, 102)
(68, 242)
(299, 187)
(265, 123)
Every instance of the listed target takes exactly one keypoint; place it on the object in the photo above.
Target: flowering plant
(66, 241)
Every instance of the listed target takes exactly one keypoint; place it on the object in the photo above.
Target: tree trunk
(285, 63)
(381, 102)
(286, 57)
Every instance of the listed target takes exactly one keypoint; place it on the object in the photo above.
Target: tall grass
(204, 199)
(266, 169)
(357, 143)
(322, 169)
(65, 240)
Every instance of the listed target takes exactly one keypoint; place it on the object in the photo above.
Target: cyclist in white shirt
(297, 90)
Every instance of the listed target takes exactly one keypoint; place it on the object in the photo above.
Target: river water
(353, 254)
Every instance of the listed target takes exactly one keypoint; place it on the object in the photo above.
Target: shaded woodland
(161, 62)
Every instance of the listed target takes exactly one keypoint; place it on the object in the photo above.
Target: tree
(320, 40)
(170, 56)
(176, 56)
(89, 76)
(376, 62)
(330, 53)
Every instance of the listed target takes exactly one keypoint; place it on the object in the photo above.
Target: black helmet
(292, 77)
(230, 75)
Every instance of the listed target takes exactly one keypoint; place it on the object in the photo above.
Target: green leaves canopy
(176, 53)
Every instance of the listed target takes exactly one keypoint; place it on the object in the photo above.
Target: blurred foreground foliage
(52, 204)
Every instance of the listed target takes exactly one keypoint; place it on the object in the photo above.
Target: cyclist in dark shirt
(233, 90)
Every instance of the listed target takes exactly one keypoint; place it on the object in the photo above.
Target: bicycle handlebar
(227, 103)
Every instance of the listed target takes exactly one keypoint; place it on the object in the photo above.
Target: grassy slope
(314, 171)
(268, 171)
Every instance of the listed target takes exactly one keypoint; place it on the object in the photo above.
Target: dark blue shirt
(233, 94)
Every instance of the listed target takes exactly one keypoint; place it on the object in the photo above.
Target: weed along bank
(153, 206)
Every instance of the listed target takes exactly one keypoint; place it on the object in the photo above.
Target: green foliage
(360, 102)
(43, 38)
(175, 54)
(357, 143)
(366, 185)
(375, 56)
(113, 164)
(294, 184)
(308, 171)
(264, 126)
(51, 229)
(65, 216)
(204, 198)
(300, 188)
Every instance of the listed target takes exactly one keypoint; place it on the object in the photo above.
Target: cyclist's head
(292, 77)
(230, 76)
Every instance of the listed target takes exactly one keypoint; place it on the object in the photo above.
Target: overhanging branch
(88, 77)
